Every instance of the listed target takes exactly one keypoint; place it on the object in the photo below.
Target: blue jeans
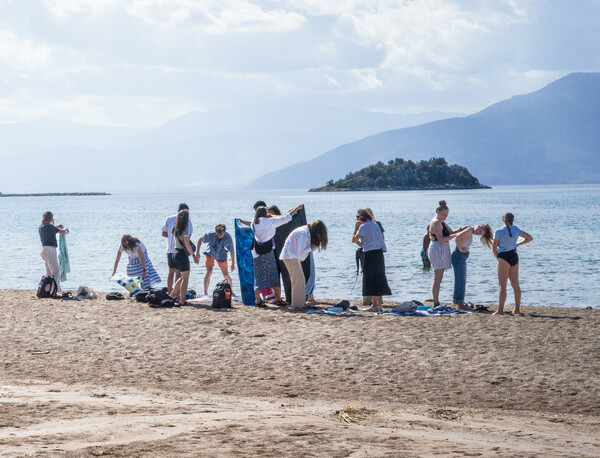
(459, 264)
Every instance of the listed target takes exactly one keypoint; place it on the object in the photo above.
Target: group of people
(504, 243)
(269, 260)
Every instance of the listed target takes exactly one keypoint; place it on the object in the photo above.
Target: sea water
(560, 267)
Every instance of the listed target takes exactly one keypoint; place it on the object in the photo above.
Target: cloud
(76, 58)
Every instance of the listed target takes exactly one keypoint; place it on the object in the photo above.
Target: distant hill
(400, 175)
(226, 147)
(545, 137)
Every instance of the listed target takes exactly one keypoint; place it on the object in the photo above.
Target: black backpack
(142, 296)
(47, 288)
(156, 296)
(221, 297)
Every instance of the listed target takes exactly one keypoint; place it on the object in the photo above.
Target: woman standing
(139, 264)
(464, 239)
(181, 256)
(48, 231)
(439, 250)
(505, 250)
(369, 236)
(266, 274)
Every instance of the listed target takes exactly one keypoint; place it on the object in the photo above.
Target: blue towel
(63, 257)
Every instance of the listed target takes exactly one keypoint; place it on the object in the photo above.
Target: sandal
(282, 303)
(260, 303)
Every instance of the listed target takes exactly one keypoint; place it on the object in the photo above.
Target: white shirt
(265, 229)
(297, 245)
(133, 254)
(168, 228)
(466, 242)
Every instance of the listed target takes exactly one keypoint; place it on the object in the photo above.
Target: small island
(57, 194)
(402, 175)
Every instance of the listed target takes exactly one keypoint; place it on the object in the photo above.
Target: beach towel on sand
(436, 311)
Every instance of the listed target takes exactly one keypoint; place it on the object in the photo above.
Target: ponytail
(508, 220)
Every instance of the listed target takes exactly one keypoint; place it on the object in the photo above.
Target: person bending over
(219, 244)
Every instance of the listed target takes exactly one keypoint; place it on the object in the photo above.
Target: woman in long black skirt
(368, 235)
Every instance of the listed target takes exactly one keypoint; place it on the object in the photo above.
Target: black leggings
(509, 256)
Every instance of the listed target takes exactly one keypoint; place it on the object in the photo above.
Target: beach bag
(185, 248)
(261, 248)
(47, 288)
(191, 294)
(221, 297)
(114, 297)
(406, 307)
(142, 296)
(156, 296)
(85, 292)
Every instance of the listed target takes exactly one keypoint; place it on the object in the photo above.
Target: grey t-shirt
(179, 239)
(371, 238)
(217, 249)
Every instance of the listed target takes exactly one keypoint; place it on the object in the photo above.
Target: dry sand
(120, 379)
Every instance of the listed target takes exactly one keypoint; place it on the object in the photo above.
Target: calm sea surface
(560, 267)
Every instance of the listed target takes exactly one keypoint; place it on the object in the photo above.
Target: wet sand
(119, 378)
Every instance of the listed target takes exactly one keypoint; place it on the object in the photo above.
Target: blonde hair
(488, 235)
(370, 212)
(441, 206)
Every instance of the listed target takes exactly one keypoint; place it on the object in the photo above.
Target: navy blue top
(48, 234)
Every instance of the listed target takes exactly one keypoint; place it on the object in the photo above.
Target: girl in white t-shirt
(139, 264)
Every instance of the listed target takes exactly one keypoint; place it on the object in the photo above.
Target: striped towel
(134, 269)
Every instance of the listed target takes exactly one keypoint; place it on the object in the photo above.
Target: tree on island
(400, 174)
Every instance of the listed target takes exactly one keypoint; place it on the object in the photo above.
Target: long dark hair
(274, 209)
(129, 242)
(261, 212)
(318, 234)
(508, 220)
(182, 222)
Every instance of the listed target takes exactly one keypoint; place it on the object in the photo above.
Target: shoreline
(330, 302)
(118, 377)
(57, 194)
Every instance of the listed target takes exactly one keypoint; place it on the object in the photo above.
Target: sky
(144, 62)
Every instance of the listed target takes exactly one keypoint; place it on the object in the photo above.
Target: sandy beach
(97, 377)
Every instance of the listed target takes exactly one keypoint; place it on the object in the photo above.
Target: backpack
(156, 296)
(47, 288)
(142, 296)
(114, 297)
(221, 297)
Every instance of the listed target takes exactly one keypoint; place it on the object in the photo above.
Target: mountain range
(223, 147)
(549, 136)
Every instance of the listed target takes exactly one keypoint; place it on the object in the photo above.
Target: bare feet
(497, 313)
(516, 313)
(374, 309)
